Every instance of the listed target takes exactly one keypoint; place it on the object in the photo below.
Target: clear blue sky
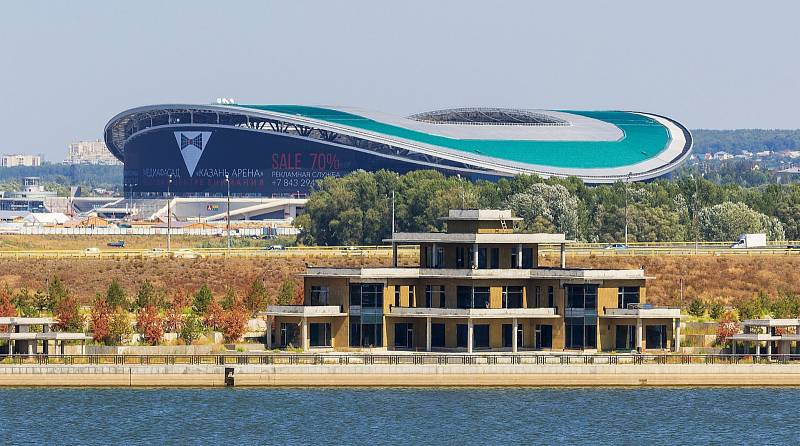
(68, 66)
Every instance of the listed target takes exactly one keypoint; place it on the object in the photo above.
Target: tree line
(356, 209)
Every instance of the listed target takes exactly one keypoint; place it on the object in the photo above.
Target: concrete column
(758, 348)
(563, 255)
(428, 334)
(470, 341)
(519, 255)
(638, 334)
(733, 347)
(304, 334)
(769, 349)
(474, 256)
(514, 335)
(30, 347)
(434, 259)
(268, 320)
(62, 348)
(11, 347)
(394, 254)
(677, 333)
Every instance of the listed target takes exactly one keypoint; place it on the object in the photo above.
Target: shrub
(230, 300)
(115, 295)
(120, 328)
(286, 292)
(150, 325)
(726, 328)
(234, 324)
(191, 328)
(100, 318)
(202, 299)
(146, 295)
(25, 303)
(715, 310)
(697, 308)
(214, 316)
(68, 317)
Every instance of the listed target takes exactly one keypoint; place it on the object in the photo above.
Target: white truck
(751, 241)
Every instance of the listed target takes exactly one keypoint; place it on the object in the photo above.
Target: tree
(25, 303)
(230, 300)
(286, 292)
(726, 328)
(191, 328)
(214, 316)
(68, 317)
(146, 295)
(697, 308)
(726, 221)
(715, 310)
(202, 299)
(119, 328)
(115, 295)
(173, 320)
(56, 292)
(257, 297)
(234, 324)
(547, 208)
(7, 308)
(100, 318)
(150, 325)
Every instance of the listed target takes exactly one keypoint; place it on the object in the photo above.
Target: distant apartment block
(15, 160)
(90, 152)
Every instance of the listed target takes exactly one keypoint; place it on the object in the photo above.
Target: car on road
(185, 254)
(91, 251)
(616, 246)
(117, 244)
(275, 248)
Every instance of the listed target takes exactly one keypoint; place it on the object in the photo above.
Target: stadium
(279, 151)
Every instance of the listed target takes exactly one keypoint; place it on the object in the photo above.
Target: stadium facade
(281, 150)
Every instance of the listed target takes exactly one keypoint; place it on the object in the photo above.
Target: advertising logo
(191, 145)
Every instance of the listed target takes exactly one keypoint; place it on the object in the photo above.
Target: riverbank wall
(403, 375)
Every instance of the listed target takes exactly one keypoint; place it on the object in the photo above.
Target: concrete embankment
(405, 375)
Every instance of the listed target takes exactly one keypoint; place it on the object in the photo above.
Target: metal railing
(400, 359)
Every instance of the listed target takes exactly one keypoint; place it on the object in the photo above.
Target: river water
(400, 415)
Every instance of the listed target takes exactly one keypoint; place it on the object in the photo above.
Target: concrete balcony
(474, 313)
(304, 310)
(642, 313)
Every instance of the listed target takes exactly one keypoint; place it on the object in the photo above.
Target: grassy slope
(723, 278)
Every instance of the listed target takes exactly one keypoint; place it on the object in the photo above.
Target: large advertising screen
(257, 163)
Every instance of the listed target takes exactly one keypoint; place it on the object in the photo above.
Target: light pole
(696, 220)
(627, 180)
(228, 183)
(169, 213)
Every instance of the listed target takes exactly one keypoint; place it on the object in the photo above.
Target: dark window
(404, 335)
(514, 257)
(368, 295)
(627, 295)
(442, 297)
(480, 297)
(461, 262)
(397, 295)
(581, 332)
(537, 296)
(655, 336)
(512, 297)
(461, 335)
(464, 296)
(551, 297)
(355, 331)
(481, 258)
(319, 335)
(527, 258)
(544, 336)
(581, 296)
(412, 298)
(319, 295)
(290, 335)
(625, 337)
(507, 339)
(495, 258)
(437, 335)
(365, 334)
(480, 334)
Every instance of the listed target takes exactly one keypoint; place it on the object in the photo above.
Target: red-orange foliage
(150, 325)
(7, 308)
(234, 324)
(214, 316)
(726, 328)
(180, 300)
(101, 320)
(68, 316)
(173, 320)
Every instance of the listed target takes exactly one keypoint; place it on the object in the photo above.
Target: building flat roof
(468, 238)
(446, 273)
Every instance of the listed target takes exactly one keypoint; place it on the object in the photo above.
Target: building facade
(90, 152)
(478, 286)
(19, 159)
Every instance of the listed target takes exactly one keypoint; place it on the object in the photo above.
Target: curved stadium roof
(596, 146)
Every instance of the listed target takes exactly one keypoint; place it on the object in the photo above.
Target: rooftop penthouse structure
(478, 286)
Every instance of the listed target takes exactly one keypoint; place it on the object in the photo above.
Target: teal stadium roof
(596, 146)
(643, 138)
